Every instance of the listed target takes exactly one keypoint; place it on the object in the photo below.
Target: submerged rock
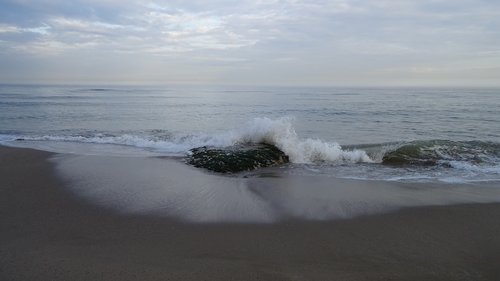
(237, 158)
(409, 155)
(441, 152)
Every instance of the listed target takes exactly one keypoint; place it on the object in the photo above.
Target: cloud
(244, 37)
(5, 28)
(160, 29)
(371, 47)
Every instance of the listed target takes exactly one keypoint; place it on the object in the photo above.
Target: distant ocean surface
(338, 132)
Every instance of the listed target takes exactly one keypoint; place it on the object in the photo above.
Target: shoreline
(48, 233)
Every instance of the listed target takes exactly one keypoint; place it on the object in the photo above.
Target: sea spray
(454, 161)
(277, 132)
(281, 133)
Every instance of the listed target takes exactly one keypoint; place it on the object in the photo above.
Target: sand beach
(49, 233)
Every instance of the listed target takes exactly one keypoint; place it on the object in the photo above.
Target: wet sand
(47, 233)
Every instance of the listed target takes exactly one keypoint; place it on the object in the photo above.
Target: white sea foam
(469, 167)
(278, 132)
(322, 157)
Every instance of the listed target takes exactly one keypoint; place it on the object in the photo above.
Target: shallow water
(168, 187)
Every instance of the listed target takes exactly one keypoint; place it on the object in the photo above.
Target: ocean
(449, 135)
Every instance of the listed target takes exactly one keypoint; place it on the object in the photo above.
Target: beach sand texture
(48, 233)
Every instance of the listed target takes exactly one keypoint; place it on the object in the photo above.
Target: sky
(289, 42)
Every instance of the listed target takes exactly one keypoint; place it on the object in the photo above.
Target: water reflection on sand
(162, 186)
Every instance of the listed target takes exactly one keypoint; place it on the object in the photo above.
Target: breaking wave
(423, 160)
(278, 132)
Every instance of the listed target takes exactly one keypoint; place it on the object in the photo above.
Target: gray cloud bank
(294, 42)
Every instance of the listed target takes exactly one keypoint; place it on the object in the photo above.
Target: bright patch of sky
(289, 42)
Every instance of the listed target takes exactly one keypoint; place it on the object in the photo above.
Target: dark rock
(411, 154)
(237, 158)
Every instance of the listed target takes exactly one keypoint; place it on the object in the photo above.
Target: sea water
(333, 132)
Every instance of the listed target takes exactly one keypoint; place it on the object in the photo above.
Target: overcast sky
(290, 42)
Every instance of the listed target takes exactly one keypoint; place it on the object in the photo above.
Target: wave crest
(281, 133)
(277, 132)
